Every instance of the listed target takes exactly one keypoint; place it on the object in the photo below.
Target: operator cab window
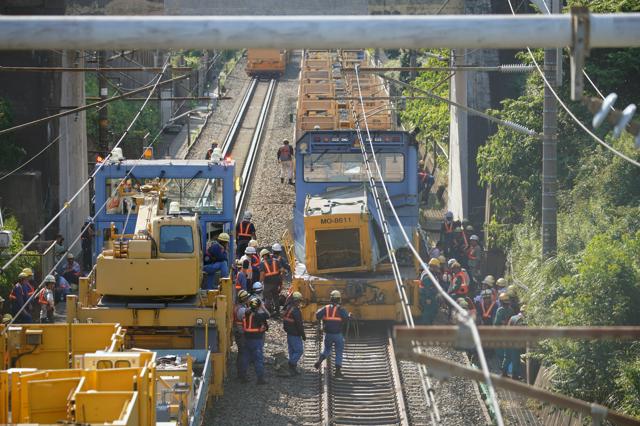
(176, 239)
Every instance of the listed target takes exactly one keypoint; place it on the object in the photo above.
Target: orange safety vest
(330, 315)
(464, 287)
(288, 316)
(236, 321)
(274, 270)
(238, 285)
(255, 260)
(42, 298)
(486, 314)
(248, 327)
(470, 254)
(244, 231)
(448, 228)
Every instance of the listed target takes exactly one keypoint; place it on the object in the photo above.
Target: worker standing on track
(474, 255)
(293, 325)
(486, 308)
(254, 325)
(503, 314)
(251, 255)
(512, 355)
(18, 297)
(271, 278)
(285, 159)
(239, 311)
(446, 234)
(216, 259)
(428, 294)
(242, 275)
(277, 254)
(245, 232)
(333, 316)
(46, 300)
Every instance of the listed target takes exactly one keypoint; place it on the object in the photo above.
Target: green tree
(11, 154)
(8, 278)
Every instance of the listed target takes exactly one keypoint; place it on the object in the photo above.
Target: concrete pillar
(73, 152)
(458, 143)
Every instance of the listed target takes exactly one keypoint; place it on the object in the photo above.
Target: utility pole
(550, 155)
(103, 113)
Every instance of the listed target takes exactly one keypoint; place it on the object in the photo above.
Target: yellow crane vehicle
(143, 343)
(337, 235)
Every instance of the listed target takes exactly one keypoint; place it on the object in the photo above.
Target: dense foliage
(10, 153)
(9, 277)
(595, 277)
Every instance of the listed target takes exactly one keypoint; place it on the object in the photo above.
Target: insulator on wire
(605, 108)
(512, 68)
(627, 115)
(518, 127)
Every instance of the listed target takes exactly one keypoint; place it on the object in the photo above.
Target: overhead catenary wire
(465, 317)
(49, 145)
(568, 111)
(41, 286)
(88, 181)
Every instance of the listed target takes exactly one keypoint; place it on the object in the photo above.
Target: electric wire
(465, 317)
(571, 114)
(89, 180)
(3, 177)
(41, 286)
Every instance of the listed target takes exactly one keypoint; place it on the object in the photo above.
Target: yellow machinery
(148, 270)
(79, 373)
(337, 237)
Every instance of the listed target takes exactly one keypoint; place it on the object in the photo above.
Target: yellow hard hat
(6, 318)
(224, 237)
(297, 295)
(504, 297)
(264, 252)
(28, 271)
(455, 265)
(512, 290)
(442, 260)
(501, 282)
(434, 262)
(22, 275)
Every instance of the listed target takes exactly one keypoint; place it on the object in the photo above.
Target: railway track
(244, 137)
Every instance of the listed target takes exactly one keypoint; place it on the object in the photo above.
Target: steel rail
(230, 137)
(370, 392)
(247, 170)
(317, 32)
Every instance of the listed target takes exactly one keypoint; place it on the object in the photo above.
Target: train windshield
(349, 167)
(194, 195)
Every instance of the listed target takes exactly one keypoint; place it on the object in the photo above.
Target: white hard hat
(70, 256)
(474, 238)
(250, 250)
(49, 279)
(276, 247)
(257, 287)
(451, 262)
(247, 216)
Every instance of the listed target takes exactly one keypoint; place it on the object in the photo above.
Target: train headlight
(199, 321)
(212, 322)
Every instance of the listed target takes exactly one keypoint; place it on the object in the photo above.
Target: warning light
(148, 153)
(99, 159)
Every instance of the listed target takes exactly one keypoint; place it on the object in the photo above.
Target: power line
(84, 185)
(466, 318)
(566, 108)
(95, 104)
(3, 177)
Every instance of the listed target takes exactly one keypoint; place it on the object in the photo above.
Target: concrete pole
(549, 159)
(103, 113)
(73, 152)
(458, 148)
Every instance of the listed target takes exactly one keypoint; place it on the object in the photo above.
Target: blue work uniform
(18, 297)
(293, 325)
(254, 325)
(332, 317)
(428, 300)
(215, 260)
